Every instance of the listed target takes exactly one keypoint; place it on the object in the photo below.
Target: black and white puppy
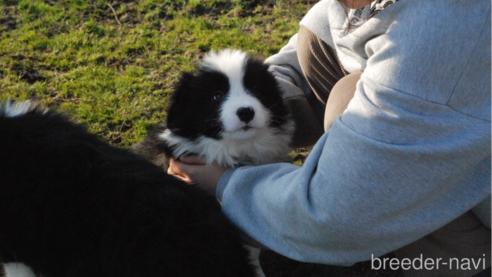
(73, 206)
(230, 111)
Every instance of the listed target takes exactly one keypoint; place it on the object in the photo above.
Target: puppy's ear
(179, 97)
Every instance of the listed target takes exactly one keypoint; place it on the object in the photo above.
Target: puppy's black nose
(245, 114)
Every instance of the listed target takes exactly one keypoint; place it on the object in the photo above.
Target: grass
(112, 65)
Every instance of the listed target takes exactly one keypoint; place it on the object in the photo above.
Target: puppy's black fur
(155, 149)
(72, 205)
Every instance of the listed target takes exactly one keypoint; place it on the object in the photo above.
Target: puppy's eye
(218, 96)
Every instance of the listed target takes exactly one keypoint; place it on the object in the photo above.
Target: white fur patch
(239, 99)
(18, 270)
(16, 108)
(230, 62)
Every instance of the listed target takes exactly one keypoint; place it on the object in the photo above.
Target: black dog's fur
(71, 205)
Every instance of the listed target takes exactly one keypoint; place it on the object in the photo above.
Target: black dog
(71, 205)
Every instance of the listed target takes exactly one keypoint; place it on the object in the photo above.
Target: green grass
(112, 65)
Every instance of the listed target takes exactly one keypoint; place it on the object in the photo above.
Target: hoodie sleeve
(358, 195)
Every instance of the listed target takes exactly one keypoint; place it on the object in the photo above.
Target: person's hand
(193, 170)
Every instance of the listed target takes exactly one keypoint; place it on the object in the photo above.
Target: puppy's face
(231, 97)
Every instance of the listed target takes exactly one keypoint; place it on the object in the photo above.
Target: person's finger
(192, 159)
(170, 169)
(176, 171)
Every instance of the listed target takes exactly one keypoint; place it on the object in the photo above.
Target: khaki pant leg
(322, 70)
(340, 96)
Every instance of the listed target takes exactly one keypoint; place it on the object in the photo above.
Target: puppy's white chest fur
(264, 147)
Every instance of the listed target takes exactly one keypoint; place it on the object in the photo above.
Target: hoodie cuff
(221, 186)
